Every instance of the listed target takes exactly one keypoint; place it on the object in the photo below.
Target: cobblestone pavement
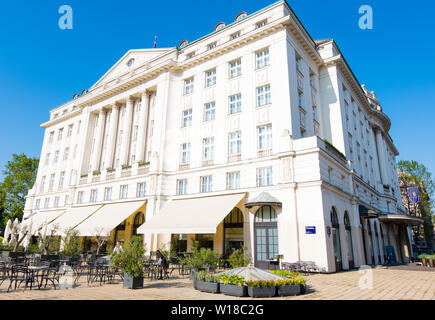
(388, 284)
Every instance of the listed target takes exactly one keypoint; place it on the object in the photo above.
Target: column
(126, 132)
(95, 164)
(142, 129)
(110, 149)
(381, 156)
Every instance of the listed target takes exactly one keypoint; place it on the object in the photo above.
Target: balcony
(234, 157)
(264, 153)
(184, 166)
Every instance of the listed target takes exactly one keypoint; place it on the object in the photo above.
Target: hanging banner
(414, 194)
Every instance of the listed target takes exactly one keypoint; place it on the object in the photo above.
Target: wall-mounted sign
(310, 230)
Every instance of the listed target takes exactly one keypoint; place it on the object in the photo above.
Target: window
(56, 156)
(66, 154)
(330, 175)
(208, 149)
(302, 114)
(80, 196)
(108, 194)
(141, 189)
(209, 111)
(93, 196)
(210, 78)
(206, 183)
(265, 137)
(235, 142)
(182, 186)
(70, 130)
(66, 200)
(262, 59)
(187, 118)
(78, 127)
(51, 183)
(60, 133)
(37, 204)
(211, 46)
(235, 35)
(46, 203)
(185, 153)
(123, 192)
(235, 103)
(188, 86)
(56, 202)
(61, 179)
(190, 55)
(47, 158)
(235, 68)
(263, 95)
(42, 183)
(233, 180)
(135, 130)
(264, 177)
(51, 137)
(260, 24)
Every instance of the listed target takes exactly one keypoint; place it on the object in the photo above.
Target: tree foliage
(412, 173)
(20, 175)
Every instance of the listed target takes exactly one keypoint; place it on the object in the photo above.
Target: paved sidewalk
(388, 284)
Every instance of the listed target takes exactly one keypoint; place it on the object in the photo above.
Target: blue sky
(42, 66)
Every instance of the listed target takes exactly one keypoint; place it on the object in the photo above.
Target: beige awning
(42, 218)
(108, 217)
(400, 219)
(72, 218)
(189, 216)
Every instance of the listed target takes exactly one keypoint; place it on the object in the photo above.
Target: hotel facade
(253, 135)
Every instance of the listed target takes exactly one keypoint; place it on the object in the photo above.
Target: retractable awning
(42, 218)
(108, 217)
(189, 216)
(72, 218)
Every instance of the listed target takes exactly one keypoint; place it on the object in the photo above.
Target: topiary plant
(130, 260)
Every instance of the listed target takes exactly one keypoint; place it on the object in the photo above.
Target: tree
(20, 175)
(2, 209)
(101, 237)
(414, 174)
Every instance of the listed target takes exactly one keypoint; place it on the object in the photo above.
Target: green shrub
(261, 283)
(286, 273)
(34, 248)
(232, 280)
(206, 276)
(72, 246)
(239, 258)
(201, 258)
(130, 260)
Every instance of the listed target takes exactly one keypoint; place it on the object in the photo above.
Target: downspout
(295, 186)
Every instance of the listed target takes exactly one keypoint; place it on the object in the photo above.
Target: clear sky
(42, 66)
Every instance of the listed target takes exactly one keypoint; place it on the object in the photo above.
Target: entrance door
(266, 236)
(336, 240)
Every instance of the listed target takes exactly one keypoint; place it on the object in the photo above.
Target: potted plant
(431, 259)
(239, 258)
(206, 282)
(233, 285)
(130, 261)
(201, 259)
(261, 288)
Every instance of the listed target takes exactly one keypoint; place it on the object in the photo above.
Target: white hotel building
(253, 135)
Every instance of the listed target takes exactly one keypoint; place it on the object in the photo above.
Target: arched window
(336, 239)
(139, 219)
(233, 231)
(219, 26)
(348, 234)
(266, 236)
(130, 62)
(242, 15)
(266, 214)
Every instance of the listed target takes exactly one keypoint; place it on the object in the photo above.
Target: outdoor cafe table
(33, 272)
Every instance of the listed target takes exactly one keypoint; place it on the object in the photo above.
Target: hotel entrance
(266, 236)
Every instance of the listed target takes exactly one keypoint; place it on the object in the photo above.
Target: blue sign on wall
(310, 230)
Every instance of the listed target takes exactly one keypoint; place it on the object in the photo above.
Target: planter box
(289, 290)
(261, 292)
(132, 282)
(231, 290)
(210, 287)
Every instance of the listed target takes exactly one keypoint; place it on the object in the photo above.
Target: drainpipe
(294, 198)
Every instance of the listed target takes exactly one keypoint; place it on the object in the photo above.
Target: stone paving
(388, 284)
